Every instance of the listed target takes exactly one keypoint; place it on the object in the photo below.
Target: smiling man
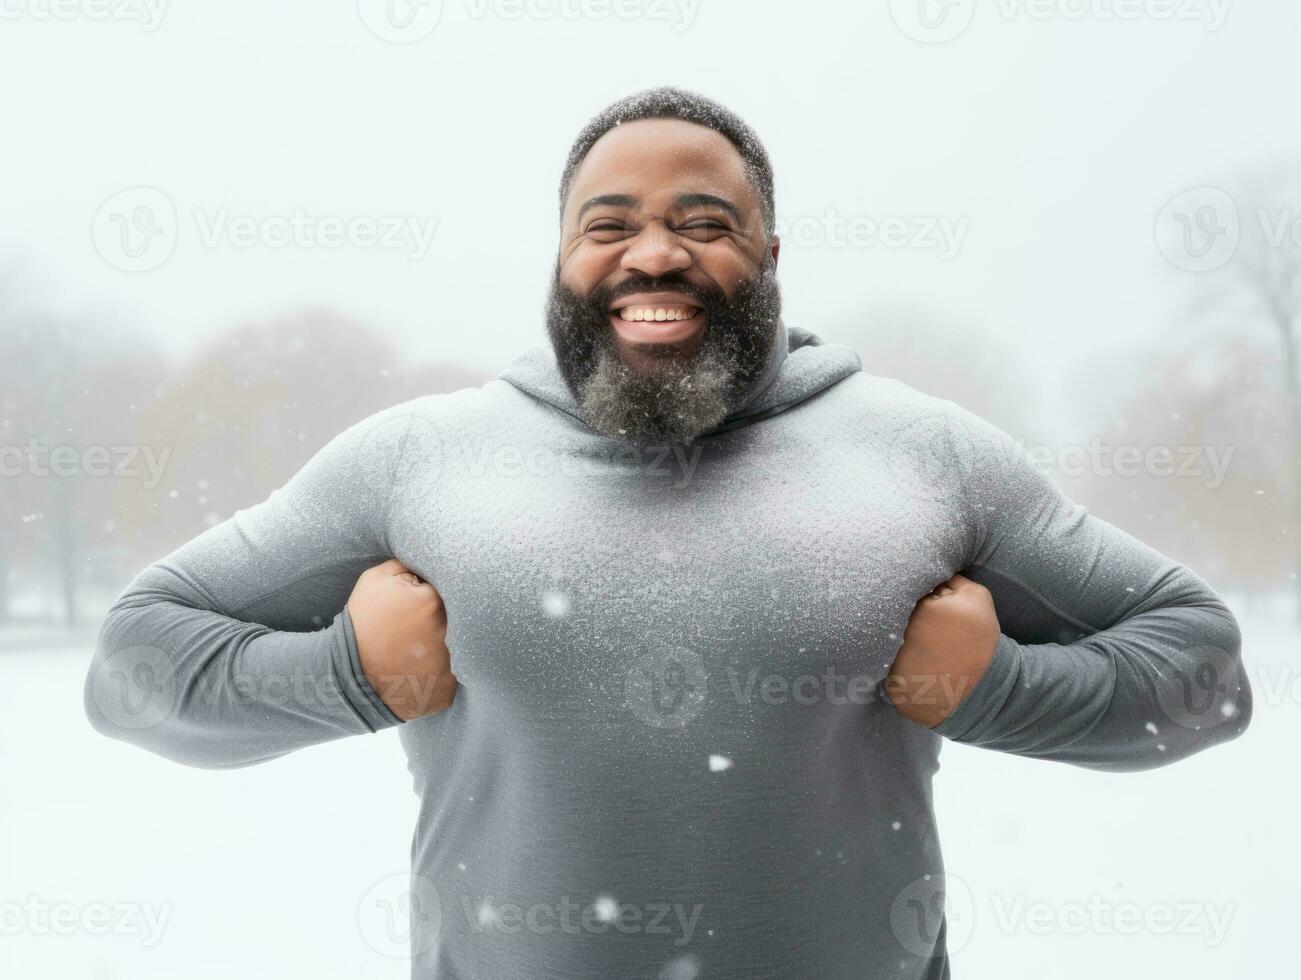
(674, 616)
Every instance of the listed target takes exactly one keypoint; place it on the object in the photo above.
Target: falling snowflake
(681, 968)
(607, 909)
(1150, 727)
(555, 604)
(717, 763)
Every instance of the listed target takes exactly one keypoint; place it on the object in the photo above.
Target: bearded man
(674, 616)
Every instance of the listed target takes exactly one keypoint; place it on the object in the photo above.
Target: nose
(655, 251)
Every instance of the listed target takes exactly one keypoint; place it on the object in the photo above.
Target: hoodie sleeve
(1112, 656)
(236, 648)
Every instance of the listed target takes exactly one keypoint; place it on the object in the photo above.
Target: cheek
(727, 266)
(587, 267)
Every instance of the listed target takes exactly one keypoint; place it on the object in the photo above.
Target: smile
(657, 319)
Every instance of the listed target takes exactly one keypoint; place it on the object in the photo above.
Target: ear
(776, 248)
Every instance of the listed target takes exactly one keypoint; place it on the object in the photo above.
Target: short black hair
(667, 102)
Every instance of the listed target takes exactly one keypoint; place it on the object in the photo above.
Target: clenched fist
(950, 640)
(401, 628)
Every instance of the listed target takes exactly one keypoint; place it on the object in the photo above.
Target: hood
(799, 368)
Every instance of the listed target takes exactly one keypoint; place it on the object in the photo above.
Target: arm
(1110, 655)
(237, 647)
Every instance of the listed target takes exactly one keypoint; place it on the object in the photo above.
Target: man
(675, 616)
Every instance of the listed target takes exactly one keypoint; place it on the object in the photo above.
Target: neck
(768, 375)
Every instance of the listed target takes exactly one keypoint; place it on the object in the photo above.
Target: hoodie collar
(800, 366)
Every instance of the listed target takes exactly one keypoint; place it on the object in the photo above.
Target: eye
(703, 229)
(608, 230)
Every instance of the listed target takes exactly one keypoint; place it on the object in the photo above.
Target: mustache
(709, 297)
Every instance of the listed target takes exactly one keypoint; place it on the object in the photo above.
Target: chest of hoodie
(768, 568)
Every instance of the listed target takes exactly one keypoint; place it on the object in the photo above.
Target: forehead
(661, 158)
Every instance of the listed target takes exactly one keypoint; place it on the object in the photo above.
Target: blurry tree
(113, 456)
(251, 406)
(66, 436)
(1201, 418)
(962, 361)
(1268, 263)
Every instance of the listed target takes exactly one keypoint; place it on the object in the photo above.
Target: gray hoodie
(671, 755)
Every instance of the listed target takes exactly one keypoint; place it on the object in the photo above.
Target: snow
(260, 872)
(607, 909)
(717, 763)
(555, 604)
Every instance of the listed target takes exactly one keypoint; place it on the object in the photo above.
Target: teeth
(657, 313)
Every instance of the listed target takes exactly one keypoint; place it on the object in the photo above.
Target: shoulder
(890, 405)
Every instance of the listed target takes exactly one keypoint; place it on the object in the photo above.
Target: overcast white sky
(1049, 143)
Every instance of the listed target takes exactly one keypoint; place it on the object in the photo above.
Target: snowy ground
(121, 866)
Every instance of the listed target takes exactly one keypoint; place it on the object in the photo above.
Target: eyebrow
(682, 200)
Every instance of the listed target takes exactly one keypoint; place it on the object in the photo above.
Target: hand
(401, 627)
(950, 641)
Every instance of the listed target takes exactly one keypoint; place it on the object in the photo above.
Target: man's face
(664, 302)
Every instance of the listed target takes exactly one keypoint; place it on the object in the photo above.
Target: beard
(680, 395)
